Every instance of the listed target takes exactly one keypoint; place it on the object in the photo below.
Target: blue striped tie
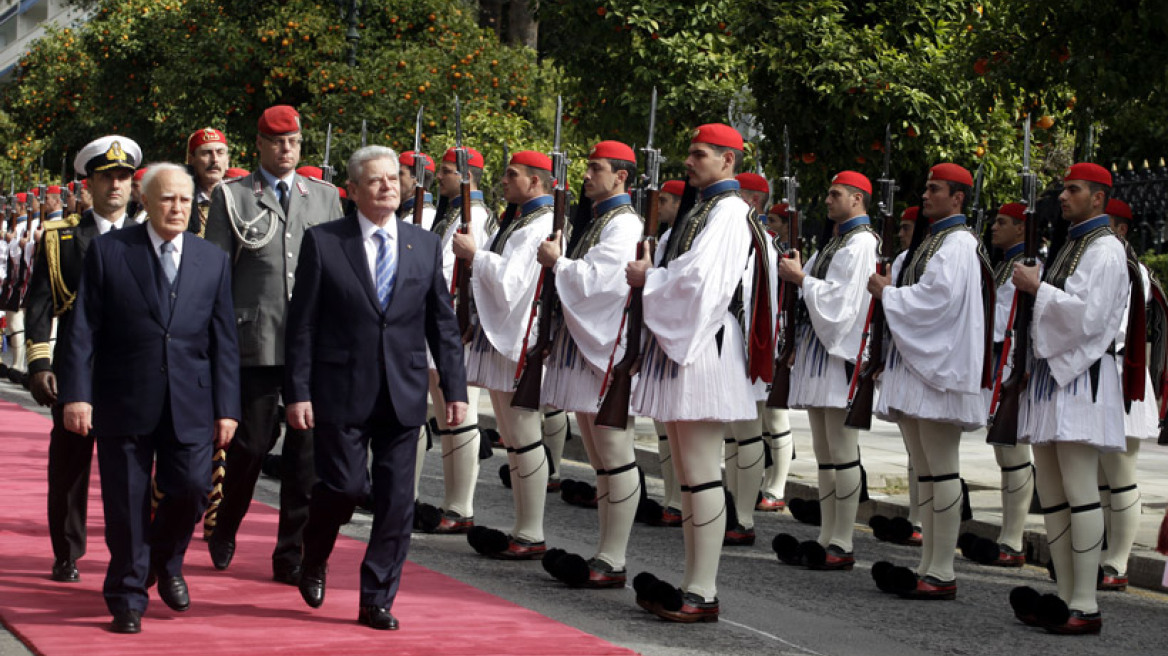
(386, 268)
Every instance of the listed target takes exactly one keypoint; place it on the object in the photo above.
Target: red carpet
(239, 611)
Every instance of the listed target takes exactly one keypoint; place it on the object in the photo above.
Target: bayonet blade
(887, 149)
(786, 153)
(559, 119)
(977, 182)
(457, 123)
(652, 118)
(1026, 146)
(418, 131)
(363, 133)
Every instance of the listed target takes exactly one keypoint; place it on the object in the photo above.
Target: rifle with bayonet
(1004, 404)
(326, 170)
(863, 388)
(65, 193)
(976, 211)
(462, 271)
(364, 133)
(617, 388)
(781, 387)
(529, 373)
(419, 169)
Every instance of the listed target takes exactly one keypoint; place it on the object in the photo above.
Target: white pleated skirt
(818, 379)
(1072, 412)
(903, 392)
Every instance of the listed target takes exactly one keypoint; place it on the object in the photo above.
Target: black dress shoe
(377, 618)
(222, 551)
(129, 621)
(312, 584)
(287, 575)
(65, 571)
(173, 591)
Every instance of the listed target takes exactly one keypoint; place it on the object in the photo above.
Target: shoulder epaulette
(70, 221)
(234, 180)
(327, 184)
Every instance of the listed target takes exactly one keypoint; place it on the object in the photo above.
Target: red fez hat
(233, 173)
(911, 213)
(535, 160)
(1118, 209)
(85, 183)
(675, 187)
(341, 192)
(53, 189)
(1089, 173)
(717, 134)
(1014, 211)
(279, 119)
(33, 192)
(21, 197)
(407, 159)
(473, 157)
(853, 179)
(205, 136)
(612, 150)
(139, 173)
(313, 172)
(753, 182)
(780, 210)
(70, 186)
(951, 173)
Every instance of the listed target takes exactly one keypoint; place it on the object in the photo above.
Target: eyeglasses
(285, 142)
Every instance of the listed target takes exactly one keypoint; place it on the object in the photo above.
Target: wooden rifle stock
(1003, 424)
(863, 392)
(618, 390)
(462, 272)
(528, 384)
(419, 199)
(781, 387)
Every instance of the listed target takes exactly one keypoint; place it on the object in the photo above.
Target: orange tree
(156, 70)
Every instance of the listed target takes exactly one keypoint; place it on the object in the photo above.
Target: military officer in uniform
(108, 162)
(260, 221)
(208, 158)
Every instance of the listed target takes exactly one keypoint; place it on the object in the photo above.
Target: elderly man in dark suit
(370, 298)
(151, 368)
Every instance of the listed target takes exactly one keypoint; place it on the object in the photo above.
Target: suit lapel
(354, 246)
(405, 262)
(141, 263)
(267, 197)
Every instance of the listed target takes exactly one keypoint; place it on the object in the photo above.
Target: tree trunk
(523, 29)
(491, 15)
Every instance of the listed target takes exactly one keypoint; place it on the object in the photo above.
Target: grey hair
(153, 170)
(359, 158)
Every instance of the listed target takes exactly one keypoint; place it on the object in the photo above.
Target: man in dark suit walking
(151, 368)
(370, 298)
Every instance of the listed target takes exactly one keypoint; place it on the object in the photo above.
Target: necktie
(282, 188)
(168, 268)
(386, 268)
(113, 226)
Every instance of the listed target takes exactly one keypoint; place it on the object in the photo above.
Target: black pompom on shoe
(1024, 601)
(879, 526)
(426, 517)
(572, 569)
(805, 510)
(1051, 610)
(900, 530)
(882, 575)
(487, 541)
(813, 553)
(786, 547)
(550, 559)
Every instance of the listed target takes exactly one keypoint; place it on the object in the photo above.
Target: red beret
(1014, 211)
(205, 136)
(535, 160)
(911, 213)
(473, 157)
(853, 179)
(85, 183)
(717, 134)
(33, 192)
(342, 193)
(1118, 209)
(1089, 173)
(780, 210)
(53, 189)
(279, 119)
(951, 173)
(407, 159)
(675, 187)
(22, 197)
(612, 150)
(139, 173)
(233, 173)
(70, 186)
(753, 182)
(313, 172)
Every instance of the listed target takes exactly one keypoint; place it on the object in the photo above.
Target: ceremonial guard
(208, 159)
(460, 444)
(668, 203)
(692, 376)
(1072, 408)
(934, 372)
(776, 425)
(108, 163)
(1118, 488)
(135, 209)
(259, 220)
(592, 295)
(755, 190)
(834, 292)
(406, 211)
(504, 283)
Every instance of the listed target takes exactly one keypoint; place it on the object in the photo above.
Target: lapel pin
(409, 246)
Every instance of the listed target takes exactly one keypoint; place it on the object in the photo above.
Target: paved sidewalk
(884, 458)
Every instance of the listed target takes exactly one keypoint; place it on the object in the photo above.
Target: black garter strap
(616, 470)
(662, 438)
(1104, 487)
(553, 413)
(924, 479)
(848, 465)
(1127, 488)
(525, 449)
(783, 434)
(946, 477)
(694, 489)
(1053, 509)
(826, 467)
(750, 440)
(1014, 468)
(459, 431)
(1087, 507)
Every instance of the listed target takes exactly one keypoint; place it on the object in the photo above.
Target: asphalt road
(767, 608)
